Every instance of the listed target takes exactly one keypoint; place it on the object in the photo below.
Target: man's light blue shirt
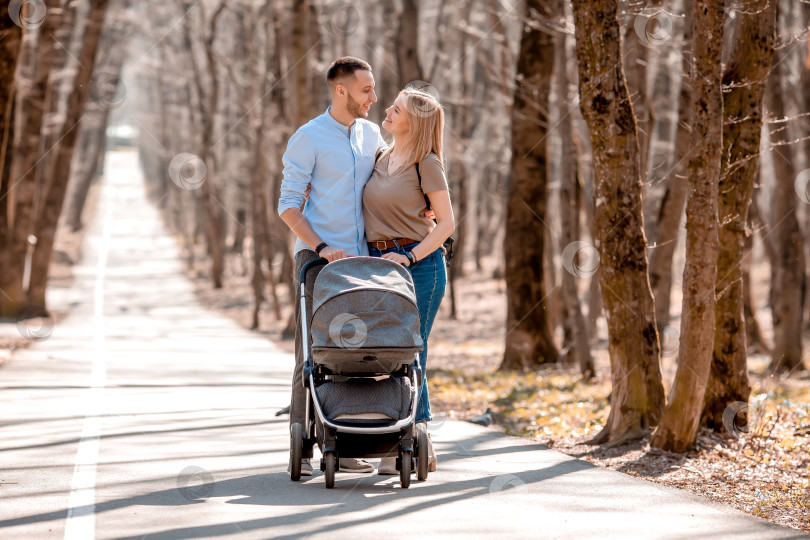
(337, 160)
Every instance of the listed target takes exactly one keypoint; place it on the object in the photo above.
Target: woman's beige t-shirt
(393, 205)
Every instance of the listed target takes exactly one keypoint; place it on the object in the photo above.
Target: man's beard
(355, 108)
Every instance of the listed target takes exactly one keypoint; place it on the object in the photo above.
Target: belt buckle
(383, 242)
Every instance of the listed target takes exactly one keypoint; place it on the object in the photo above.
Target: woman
(394, 210)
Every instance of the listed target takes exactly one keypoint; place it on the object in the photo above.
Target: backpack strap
(419, 176)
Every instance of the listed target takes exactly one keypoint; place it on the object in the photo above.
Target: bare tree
(576, 329)
(636, 63)
(804, 92)
(756, 340)
(681, 419)
(106, 93)
(260, 227)
(406, 43)
(744, 87)
(48, 215)
(670, 212)
(207, 200)
(35, 67)
(788, 265)
(528, 339)
(303, 44)
(10, 38)
(638, 394)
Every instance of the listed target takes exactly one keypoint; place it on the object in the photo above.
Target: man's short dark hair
(344, 67)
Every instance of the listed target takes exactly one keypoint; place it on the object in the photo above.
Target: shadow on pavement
(353, 493)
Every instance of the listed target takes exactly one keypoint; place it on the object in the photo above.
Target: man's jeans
(298, 397)
(429, 279)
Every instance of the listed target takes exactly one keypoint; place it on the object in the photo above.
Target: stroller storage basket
(366, 400)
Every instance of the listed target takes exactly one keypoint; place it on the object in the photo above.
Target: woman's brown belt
(388, 244)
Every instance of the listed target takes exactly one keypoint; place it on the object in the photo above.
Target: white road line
(81, 518)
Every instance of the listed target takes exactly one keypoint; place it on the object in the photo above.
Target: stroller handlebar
(320, 261)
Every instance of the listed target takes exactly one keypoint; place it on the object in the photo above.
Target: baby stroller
(362, 373)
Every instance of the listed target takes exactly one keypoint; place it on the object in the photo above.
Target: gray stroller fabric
(390, 396)
(365, 316)
(359, 273)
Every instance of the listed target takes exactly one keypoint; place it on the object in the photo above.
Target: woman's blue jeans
(429, 279)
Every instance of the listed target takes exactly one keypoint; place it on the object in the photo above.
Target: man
(334, 154)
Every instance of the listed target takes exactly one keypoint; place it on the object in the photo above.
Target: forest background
(630, 183)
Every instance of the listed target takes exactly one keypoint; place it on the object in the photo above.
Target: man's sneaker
(306, 467)
(355, 465)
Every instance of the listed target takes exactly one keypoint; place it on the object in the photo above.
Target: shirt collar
(332, 122)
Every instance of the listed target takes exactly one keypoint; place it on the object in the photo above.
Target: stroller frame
(343, 439)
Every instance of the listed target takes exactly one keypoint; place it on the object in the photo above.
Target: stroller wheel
(330, 461)
(296, 451)
(422, 457)
(405, 469)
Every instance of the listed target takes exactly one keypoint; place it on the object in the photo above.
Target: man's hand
(333, 255)
(430, 214)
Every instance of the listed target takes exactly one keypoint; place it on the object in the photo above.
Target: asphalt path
(143, 414)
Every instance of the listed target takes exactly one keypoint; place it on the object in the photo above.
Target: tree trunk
(670, 213)
(92, 135)
(555, 302)
(744, 83)
(459, 181)
(755, 336)
(207, 196)
(804, 91)
(27, 153)
(206, 109)
(259, 225)
(459, 177)
(636, 66)
(301, 43)
(576, 329)
(575, 323)
(678, 429)
(91, 147)
(262, 239)
(407, 43)
(594, 305)
(528, 336)
(48, 218)
(638, 393)
(10, 38)
(662, 114)
(787, 271)
(585, 170)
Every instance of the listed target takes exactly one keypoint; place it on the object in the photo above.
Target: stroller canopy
(365, 303)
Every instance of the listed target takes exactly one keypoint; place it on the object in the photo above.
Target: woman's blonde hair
(426, 123)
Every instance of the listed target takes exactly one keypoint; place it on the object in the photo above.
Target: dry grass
(764, 471)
